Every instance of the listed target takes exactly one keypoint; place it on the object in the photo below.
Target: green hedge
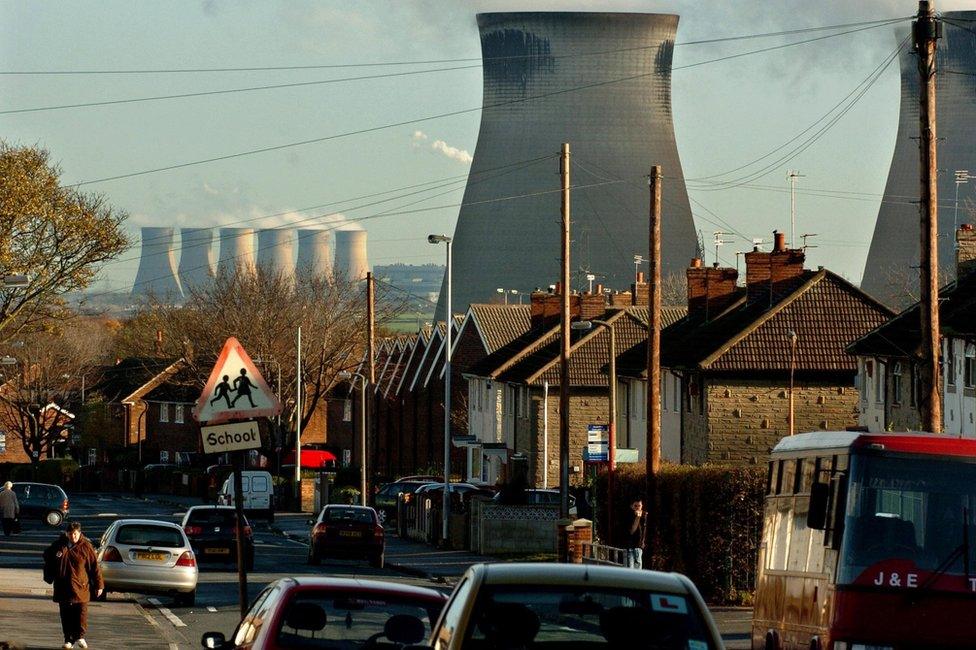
(706, 523)
(58, 471)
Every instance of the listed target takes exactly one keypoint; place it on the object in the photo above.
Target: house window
(969, 367)
(3, 442)
(178, 413)
(896, 383)
(164, 412)
(676, 394)
(915, 385)
(878, 385)
(664, 393)
(950, 364)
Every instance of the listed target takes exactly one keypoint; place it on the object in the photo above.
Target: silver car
(147, 556)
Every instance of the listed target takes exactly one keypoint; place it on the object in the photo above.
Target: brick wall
(744, 419)
(170, 436)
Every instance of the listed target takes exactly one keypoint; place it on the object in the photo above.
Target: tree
(45, 372)
(263, 311)
(55, 235)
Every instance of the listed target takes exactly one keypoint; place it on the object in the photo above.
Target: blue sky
(726, 113)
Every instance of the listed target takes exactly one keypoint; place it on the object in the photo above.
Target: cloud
(419, 138)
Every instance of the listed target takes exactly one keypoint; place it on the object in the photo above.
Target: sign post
(232, 428)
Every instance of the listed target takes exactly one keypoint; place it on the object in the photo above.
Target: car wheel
(54, 518)
(313, 557)
(186, 600)
(376, 561)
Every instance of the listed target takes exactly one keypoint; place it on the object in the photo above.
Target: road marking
(107, 514)
(211, 608)
(170, 616)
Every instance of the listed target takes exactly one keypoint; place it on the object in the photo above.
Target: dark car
(385, 500)
(320, 612)
(346, 531)
(212, 531)
(42, 502)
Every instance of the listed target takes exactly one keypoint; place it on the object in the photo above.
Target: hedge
(58, 471)
(706, 523)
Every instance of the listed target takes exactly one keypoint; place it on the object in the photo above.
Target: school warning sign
(236, 390)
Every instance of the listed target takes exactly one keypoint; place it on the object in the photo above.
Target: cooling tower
(157, 266)
(276, 252)
(236, 250)
(601, 82)
(196, 258)
(314, 256)
(350, 254)
(891, 271)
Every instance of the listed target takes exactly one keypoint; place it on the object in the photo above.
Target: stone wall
(743, 419)
(502, 529)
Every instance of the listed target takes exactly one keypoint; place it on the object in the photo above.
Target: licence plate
(155, 557)
(350, 533)
(217, 551)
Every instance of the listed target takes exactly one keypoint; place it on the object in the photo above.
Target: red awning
(311, 458)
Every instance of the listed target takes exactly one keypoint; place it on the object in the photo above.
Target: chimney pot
(696, 262)
(640, 276)
(780, 241)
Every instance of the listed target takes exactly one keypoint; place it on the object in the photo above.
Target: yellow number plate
(217, 551)
(350, 533)
(155, 557)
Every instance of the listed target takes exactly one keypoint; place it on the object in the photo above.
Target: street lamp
(504, 294)
(612, 433)
(437, 239)
(345, 375)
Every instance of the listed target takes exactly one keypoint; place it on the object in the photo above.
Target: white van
(258, 492)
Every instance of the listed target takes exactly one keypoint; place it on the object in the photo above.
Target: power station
(275, 252)
(601, 82)
(891, 271)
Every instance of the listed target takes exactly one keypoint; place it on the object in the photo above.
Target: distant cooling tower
(602, 83)
(276, 253)
(350, 254)
(891, 272)
(314, 256)
(236, 250)
(157, 266)
(196, 258)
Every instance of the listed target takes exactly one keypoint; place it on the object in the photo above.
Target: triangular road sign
(236, 390)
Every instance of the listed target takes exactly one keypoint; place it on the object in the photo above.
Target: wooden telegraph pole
(564, 341)
(926, 31)
(653, 451)
(371, 378)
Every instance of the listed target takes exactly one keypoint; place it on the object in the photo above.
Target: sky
(726, 113)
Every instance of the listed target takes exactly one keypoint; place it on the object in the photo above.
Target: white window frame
(178, 413)
(164, 411)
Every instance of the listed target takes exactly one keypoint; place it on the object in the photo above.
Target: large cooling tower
(276, 252)
(602, 83)
(891, 272)
(236, 250)
(314, 256)
(196, 257)
(157, 266)
(350, 254)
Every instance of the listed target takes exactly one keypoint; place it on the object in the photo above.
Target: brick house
(888, 357)
(733, 355)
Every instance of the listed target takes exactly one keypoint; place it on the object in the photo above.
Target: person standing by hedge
(636, 535)
(71, 566)
(9, 508)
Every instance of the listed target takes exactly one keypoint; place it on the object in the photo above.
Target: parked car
(212, 531)
(425, 478)
(147, 556)
(542, 497)
(346, 531)
(385, 500)
(573, 606)
(42, 502)
(319, 612)
(258, 492)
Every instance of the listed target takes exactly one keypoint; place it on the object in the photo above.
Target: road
(28, 615)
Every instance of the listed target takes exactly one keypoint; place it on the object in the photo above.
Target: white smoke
(419, 139)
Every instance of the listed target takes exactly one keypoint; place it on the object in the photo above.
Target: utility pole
(564, 341)
(792, 175)
(653, 452)
(926, 31)
(371, 356)
(299, 388)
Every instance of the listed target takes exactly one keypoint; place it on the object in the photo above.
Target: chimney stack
(639, 291)
(711, 290)
(965, 250)
(546, 306)
(773, 274)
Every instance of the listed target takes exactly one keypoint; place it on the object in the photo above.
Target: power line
(438, 116)
(725, 39)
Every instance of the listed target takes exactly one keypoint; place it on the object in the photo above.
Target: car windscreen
(352, 515)
(350, 619)
(515, 616)
(149, 535)
(212, 516)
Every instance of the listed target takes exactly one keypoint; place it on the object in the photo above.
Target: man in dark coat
(71, 566)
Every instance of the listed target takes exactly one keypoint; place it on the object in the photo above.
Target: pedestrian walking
(636, 535)
(71, 566)
(9, 508)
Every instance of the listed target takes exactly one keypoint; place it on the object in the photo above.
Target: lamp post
(437, 239)
(612, 419)
(792, 336)
(346, 375)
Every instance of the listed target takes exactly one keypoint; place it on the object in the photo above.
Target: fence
(601, 554)
(497, 528)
